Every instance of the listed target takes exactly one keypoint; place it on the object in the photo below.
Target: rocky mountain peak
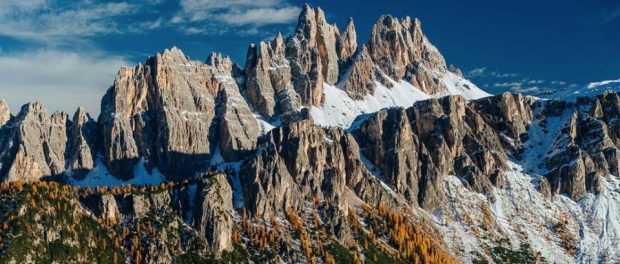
(83, 146)
(312, 55)
(80, 116)
(278, 44)
(347, 44)
(361, 79)
(222, 63)
(402, 51)
(5, 113)
(174, 54)
(33, 144)
(32, 109)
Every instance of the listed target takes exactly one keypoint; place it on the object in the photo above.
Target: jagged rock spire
(312, 54)
(401, 51)
(268, 86)
(83, 148)
(361, 79)
(347, 44)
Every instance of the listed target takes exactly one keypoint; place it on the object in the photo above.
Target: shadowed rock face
(83, 146)
(180, 109)
(415, 148)
(587, 148)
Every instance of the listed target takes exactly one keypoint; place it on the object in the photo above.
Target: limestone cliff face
(171, 111)
(83, 147)
(402, 51)
(312, 54)
(587, 148)
(301, 160)
(268, 84)
(508, 113)
(347, 44)
(415, 148)
(33, 144)
(361, 79)
(215, 213)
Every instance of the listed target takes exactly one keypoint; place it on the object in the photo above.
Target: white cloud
(61, 80)
(484, 72)
(477, 72)
(536, 82)
(262, 16)
(221, 15)
(603, 83)
(53, 21)
(514, 82)
(513, 85)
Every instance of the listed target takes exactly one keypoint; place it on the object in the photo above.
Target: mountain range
(318, 150)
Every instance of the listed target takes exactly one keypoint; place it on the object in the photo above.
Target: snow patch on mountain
(521, 217)
(457, 85)
(340, 110)
(99, 176)
(599, 221)
(543, 140)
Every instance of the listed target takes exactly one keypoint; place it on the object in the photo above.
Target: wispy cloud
(55, 21)
(498, 82)
(485, 72)
(222, 15)
(61, 80)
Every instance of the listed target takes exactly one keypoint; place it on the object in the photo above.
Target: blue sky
(66, 53)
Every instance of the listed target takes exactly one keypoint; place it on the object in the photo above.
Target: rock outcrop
(171, 111)
(347, 44)
(312, 55)
(361, 76)
(415, 148)
(402, 51)
(5, 113)
(268, 84)
(83, 146)
(510, 114)
(587, 148)
(33, 144)
(215, 213)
